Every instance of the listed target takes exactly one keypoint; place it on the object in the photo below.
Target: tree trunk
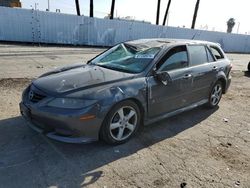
(91, 9)
(166, 13)
(195, 13)
(77, 8)
(112, 9)
(158, 12)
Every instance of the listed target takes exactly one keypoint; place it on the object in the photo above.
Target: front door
(166, 98)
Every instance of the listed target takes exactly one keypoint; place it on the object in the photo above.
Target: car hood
(77, 77)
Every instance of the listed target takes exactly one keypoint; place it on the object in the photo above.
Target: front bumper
(61, 126)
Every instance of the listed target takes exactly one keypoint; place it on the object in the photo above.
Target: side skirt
(192, 106)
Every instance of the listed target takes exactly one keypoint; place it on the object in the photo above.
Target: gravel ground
(199, 148)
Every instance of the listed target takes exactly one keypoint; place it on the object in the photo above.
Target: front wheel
(121, 123)
(215, 95)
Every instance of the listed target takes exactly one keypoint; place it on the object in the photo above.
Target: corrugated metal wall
(46, 27)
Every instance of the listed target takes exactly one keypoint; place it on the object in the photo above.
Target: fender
(135, 90)
(220, 76)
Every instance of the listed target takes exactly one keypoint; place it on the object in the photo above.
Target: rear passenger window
(198, 55)
(216, 52)
(210, 56)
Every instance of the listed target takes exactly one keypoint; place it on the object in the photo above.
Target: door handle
(187, 76)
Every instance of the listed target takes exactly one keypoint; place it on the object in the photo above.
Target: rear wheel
(248, 67)
(121, 123)
(215, 95)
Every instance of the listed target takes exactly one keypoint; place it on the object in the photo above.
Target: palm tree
(91, 9)
(77, 7)
(112, 9)
(166, 13)
(195, 14)
(158, 12)
(230, 25)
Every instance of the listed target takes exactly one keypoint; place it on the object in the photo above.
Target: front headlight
(70, 103)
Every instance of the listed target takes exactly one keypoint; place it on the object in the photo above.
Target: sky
(212, 15)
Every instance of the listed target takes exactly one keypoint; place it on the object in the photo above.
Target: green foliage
(230, 25)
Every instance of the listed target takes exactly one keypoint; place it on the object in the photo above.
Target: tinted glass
(209, 55)
(198, 55)
(176, 58)
(216, 52)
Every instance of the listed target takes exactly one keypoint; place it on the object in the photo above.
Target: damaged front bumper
(61, 127)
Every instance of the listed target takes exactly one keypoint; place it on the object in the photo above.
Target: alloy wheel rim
(123, 123)
(216, 94)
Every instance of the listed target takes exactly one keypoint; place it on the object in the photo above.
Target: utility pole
(238, 28)
(91, 9)
(112, 9)
(36, 4)
(77, 8)
(166, 13)
(195, 14)
(158, 12)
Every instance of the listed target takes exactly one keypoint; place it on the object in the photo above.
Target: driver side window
(175, 58)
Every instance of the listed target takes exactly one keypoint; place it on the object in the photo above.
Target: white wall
(24, 25)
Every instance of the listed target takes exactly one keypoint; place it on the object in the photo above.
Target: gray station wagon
(132, 84)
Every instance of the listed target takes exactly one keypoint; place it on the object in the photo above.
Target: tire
(248, 67)
(121, 123)
(215, 95)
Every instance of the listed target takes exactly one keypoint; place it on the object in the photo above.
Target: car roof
(162, 42)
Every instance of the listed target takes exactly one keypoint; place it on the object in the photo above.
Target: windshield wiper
(115, 68)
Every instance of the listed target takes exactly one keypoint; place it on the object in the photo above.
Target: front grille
(34, 96)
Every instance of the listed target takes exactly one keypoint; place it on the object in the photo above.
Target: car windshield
(126, 58)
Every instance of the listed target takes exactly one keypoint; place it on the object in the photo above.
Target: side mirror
(163, 77)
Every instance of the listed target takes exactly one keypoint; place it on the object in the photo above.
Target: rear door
(203, 70)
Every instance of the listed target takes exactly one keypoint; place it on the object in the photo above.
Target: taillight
(229, 70)
(230, 67)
